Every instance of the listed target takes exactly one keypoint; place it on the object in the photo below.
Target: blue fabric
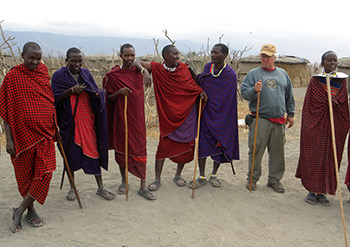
(62, 80)
(219, 124)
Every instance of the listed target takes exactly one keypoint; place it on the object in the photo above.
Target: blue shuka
(61, 81)
(218, 136)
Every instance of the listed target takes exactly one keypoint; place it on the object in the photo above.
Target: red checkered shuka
(27, 105)
(316, 161)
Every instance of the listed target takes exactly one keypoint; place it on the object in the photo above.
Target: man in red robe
(176, 93)
(27, 108)
(121, 81)
(316, 167)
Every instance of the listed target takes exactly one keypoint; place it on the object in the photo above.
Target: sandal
(322, 199)
(179, 181)
(146, 194)
(105, 194)
(155, 185)
(215, 181)
(14, 228)
(70, 195)
(31, 220)
(199, 182)
(311, 198)
(122, 189)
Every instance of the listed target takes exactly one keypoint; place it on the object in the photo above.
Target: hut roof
(280, 59)
(102, 57)
(344, 62)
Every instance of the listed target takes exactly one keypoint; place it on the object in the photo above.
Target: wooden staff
(70, 177)
(197, 146)
(254, 145)
(335, 154)
(126, 147)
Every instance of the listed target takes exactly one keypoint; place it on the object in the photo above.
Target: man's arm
(10, 146)
(290, 104)
(250, 88)
(146, 69)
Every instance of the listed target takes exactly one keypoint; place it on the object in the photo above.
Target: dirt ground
(225, 216)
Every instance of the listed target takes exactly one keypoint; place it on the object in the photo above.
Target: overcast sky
(304, 28)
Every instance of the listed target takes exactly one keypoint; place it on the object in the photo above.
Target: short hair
(223, 48)
(326, 54)
(71, 51)
(166, 49)
(32, 45)
(127, 45)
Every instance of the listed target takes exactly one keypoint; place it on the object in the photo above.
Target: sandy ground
(226, 216)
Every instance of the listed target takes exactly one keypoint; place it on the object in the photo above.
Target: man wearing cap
(276, 100)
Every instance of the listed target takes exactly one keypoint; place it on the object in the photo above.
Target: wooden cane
(335, 154)
(70, 177)
(126, 147)
(254, 145)
(197, 147)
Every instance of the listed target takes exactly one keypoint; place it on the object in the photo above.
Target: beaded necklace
(170, 69)
(218, 74)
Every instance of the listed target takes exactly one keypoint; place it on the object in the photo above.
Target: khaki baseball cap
(268, 49)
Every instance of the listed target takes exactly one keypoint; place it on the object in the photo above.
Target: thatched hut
(344, 65)
(296, 67)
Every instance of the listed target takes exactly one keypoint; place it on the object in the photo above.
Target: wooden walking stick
(126, 147)
(254, 145)
(70, 177)
(196, 145)
(335, 154)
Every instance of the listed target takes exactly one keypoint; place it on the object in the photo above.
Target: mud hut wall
(298, 73)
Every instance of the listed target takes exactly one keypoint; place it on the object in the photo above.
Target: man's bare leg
(158, 171)
(213, 178)
(101, 191)
(122, 186)
(216, 166)
(178, 179)
(201, 163)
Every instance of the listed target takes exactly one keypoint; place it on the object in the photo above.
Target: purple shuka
(218, 136)
(62, 80)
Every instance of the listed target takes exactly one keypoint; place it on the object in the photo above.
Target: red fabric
(178, 152)
(33, 170)
(316, 162)
(176, 93)
(27, 105)
(281, 120)
(334, 90)
(114, 80)
(85, 132)
(347, 178)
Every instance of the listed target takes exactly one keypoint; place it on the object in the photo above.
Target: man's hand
(78, 89)
(204, 96)
(147, 79)
(124, 91)
(10, 147)
(258, 86)
(290, 121)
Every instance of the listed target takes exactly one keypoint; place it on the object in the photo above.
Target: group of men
(92, 121)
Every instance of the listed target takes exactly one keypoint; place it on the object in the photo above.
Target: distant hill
(57, 44)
